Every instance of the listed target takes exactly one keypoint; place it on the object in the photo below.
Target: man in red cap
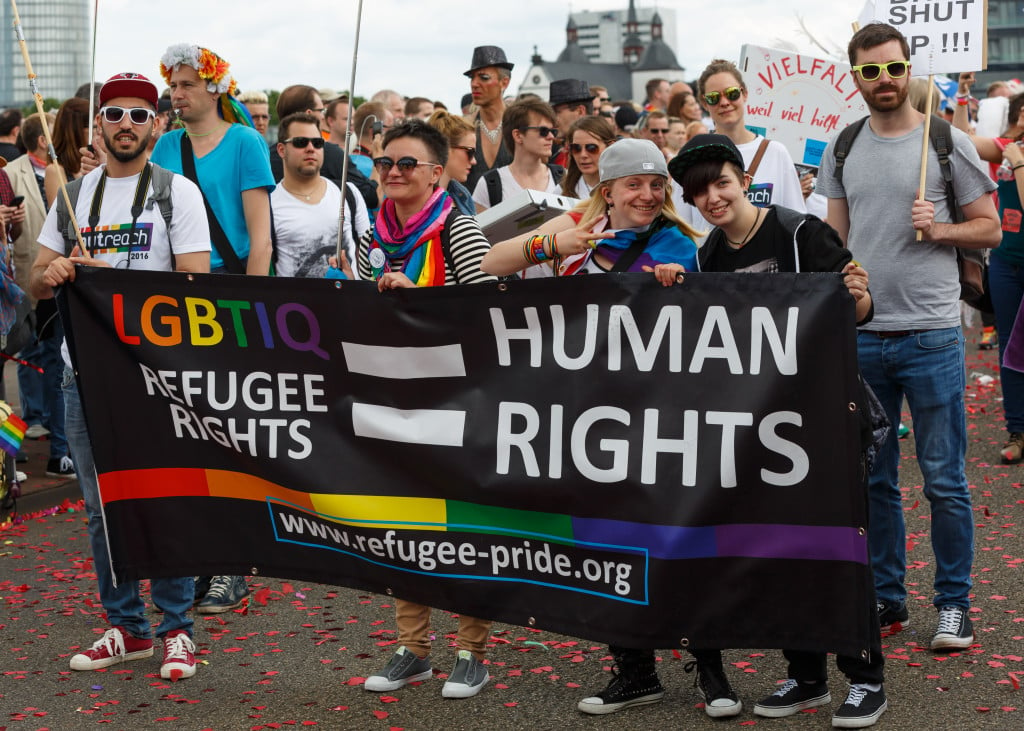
(152, 219)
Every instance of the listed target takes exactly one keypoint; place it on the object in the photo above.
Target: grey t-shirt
(914, 285)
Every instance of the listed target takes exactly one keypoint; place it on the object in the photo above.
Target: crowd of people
(676, 184)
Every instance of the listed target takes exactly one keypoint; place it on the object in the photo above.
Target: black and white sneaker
(954, 631)
(628, 687)
(861, 709)
(793, 697)
(720, 701)
(892, 617)
(403, 667)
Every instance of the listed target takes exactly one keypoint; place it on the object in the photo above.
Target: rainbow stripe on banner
(666, 542)
(12, 431)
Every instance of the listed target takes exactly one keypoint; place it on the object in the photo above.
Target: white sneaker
(36, 431)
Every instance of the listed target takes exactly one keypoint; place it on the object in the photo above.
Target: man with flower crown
(221, 152)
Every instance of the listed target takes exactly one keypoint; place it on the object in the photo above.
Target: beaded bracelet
(533, 249)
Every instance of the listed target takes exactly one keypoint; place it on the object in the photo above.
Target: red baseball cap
(129, 84)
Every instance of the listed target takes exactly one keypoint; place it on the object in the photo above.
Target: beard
(872, 100)
(142, 143)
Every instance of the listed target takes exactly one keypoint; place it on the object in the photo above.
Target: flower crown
(207, 64)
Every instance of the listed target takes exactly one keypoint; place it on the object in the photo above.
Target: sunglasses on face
(658, 131)
(542, 131)
(300, 143)
(470, 151)
(138, 115)
(589, 147)
(732, 94)
(405, 164)
(871, 71)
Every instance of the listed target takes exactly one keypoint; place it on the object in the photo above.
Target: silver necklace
(492, 135)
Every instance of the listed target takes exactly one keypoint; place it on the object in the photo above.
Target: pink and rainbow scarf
(417, 245)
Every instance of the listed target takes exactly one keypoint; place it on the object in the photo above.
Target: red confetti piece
(388, 699)
(381, 715)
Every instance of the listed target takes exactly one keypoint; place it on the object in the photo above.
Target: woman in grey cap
(627, 224)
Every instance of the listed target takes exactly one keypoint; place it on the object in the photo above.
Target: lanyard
(138, 204)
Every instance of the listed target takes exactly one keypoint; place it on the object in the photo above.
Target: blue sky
(421, 48)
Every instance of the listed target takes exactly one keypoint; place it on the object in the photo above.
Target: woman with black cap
(758, 240)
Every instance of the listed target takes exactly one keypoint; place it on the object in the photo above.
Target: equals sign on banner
(436, 427)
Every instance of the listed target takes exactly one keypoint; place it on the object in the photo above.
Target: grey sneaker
(468, 677)
(226, 593)
(403, 667)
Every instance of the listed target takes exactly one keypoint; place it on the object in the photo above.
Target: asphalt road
(297, 655)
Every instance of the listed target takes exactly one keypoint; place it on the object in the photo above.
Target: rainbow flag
(12, 430)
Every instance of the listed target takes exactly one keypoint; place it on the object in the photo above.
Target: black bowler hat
(569, 91)
(701, 149)
(484, 56)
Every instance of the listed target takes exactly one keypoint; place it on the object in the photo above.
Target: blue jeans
(42, 399)
(122, 602)
(927, 368)
(1006, 285)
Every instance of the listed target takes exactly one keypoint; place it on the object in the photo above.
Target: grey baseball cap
(631, 157)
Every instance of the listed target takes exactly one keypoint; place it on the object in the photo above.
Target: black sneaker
(628, 687)
(954, 631)
(720, 701)
(793, 697)
(202, 587)
(61, 467)
(403, 667)
(862, 708)
(892, 617)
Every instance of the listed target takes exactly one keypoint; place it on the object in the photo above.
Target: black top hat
(484, 56)
(569, 91)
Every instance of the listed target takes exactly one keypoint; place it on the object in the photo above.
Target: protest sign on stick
(798, 100)
(947, 36)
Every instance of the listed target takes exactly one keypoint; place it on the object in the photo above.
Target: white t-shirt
(307, 234)
(148, 243)
(775, 183)
(509, 187)
(144, 247)
(582, 189)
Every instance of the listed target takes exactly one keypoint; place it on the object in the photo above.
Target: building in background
(1005, 43)
(58, 36)
(625, 53)
(602, 34)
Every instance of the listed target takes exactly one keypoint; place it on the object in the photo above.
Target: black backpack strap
(217, 236)
(446, 242)
(843, 144)
(493, 182)
(64, 218)
(940, 134)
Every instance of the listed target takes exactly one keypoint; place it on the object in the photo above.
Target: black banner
(599, 456)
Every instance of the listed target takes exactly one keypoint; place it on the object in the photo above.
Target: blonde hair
(595, 207)
(451, 126)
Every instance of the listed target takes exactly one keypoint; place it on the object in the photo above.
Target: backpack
(160, 187)
(493, 182)
(970, 262)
